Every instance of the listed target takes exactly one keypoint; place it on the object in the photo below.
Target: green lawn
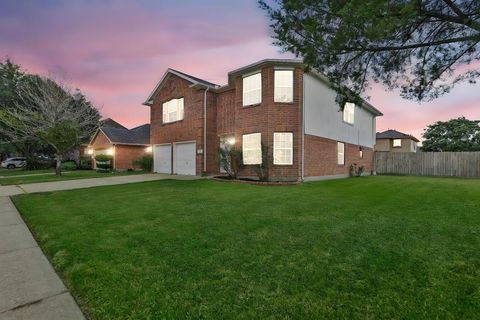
(361, 248)
(22, 177)
(17, 172)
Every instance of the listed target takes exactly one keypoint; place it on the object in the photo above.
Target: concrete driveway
(6, 191)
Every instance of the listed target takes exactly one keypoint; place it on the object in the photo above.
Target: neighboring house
(395, 141)
(125, 145)
(274, 102)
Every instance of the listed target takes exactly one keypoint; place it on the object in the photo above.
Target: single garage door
(162, 160)
(184, 158)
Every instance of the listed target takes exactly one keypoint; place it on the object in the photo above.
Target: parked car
(12, 163)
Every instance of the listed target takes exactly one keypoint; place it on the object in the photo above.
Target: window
(173, 110)
(252, 148)
(283, 148)
(340, 153)
(349, 112)
(252, 89)
(397, 143)
(283, 86)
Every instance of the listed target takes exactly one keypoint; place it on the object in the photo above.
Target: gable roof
(109, 122)
(394, 134)
(245, 70)
(193, 80)
(120, 135)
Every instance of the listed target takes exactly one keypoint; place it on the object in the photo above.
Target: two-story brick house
(274, 102)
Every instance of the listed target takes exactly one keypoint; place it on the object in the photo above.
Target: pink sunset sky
(116, 51)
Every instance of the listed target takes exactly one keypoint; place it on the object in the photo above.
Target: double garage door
(176, 158)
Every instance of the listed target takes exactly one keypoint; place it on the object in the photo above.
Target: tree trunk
(58, 167)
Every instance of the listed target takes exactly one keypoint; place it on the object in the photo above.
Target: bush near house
(69, 165)
(145, 162)
(104, 162)
(85, 163)
(230, 160)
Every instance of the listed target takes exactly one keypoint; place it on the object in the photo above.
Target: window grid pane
(252, 89)
(283, 148)
(349, 112)
(283, 86)
(172, 110)
(341, 153)
(252, 148)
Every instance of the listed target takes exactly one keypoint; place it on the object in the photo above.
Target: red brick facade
(124, 155)
(226, 116)
(321, 157)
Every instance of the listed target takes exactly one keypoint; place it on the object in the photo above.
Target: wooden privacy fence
(450, 164)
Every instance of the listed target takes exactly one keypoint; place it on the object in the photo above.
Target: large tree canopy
(416, 46)
(50, 114)
(454, 135)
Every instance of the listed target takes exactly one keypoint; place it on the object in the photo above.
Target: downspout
(114, 157)
(205, 130)
(303, 128)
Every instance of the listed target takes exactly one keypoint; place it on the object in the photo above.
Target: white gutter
(205, 130)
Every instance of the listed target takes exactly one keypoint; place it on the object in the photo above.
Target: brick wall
(100, 141)
(321, 157)
(126, 154)
(265, 118)
(188, 129)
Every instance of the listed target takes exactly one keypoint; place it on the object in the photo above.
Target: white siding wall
(323, 118)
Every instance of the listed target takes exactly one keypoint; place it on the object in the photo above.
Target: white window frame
(170, 107)
(252, 143)
(252, 89)
(278, 145)
(340, 153)
(399, 145)
(349, 113)
(278, 86)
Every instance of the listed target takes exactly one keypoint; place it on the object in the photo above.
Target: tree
(416, 46)
(454, 135)
(50, 112)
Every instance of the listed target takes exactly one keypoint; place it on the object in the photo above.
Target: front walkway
(29, 286)
(6, 191)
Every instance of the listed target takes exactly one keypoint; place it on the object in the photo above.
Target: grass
(16, 172)
(22, 177)
(361, 248)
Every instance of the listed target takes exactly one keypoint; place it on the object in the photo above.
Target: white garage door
(162, 161)
(184, 158)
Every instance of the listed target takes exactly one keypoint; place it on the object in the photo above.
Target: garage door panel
(185, 158)
(163, 159)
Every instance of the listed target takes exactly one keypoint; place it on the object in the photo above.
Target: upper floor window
(349, 112)
(252, 148)
(252, 89)
(173, 110)
(340, 153)
(283, 86)
(397, 143)
(283, 148)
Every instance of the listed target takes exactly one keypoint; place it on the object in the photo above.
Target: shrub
(36, 163)
(104, 162)
(145, 162)
(355, 171)
(69, 165)
(85, 163)
(263, 169)
(230, 160)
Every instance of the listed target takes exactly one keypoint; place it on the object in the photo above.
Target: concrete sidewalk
(6, 191)
(29, 287)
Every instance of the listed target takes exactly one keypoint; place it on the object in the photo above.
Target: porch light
(148, 149)
(231, 141)
(110, 152)
(90, 151)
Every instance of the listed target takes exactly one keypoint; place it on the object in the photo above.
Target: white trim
(165, 76)
(290, 160)
(251, 73)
